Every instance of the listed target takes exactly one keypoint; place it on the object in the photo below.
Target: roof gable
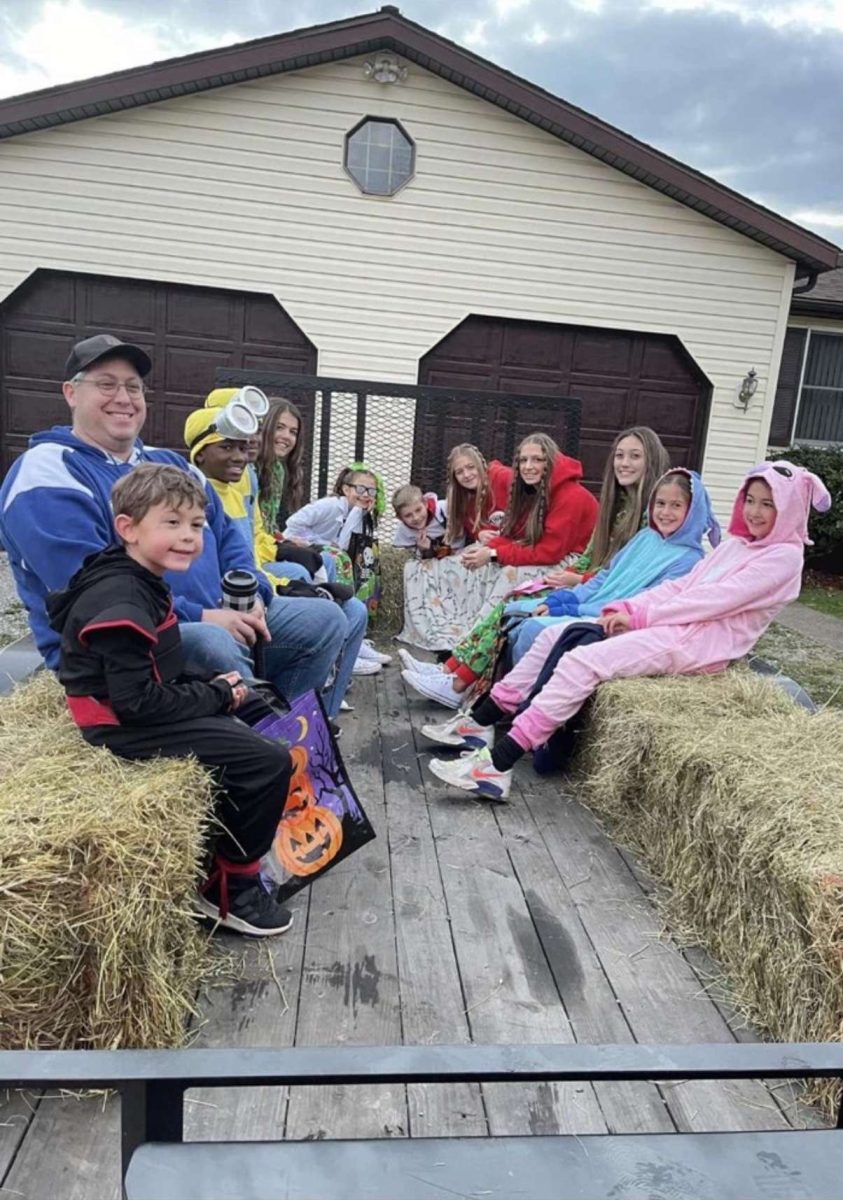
(389, 30)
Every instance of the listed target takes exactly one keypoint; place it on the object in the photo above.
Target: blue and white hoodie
(55, 510)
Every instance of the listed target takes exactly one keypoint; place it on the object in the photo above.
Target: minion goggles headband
(238, 420)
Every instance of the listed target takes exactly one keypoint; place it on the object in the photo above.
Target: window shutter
(784, 409)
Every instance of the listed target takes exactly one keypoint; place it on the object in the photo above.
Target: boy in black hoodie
(121, 667)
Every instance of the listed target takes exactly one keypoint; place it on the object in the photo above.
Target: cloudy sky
(749, 91)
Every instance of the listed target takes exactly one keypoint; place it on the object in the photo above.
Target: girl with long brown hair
(476, 496)
(549, 515)
(280, 464)
(636, 460)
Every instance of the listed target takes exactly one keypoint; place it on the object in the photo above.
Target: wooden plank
(586, 992)
(349, 988)
(660, 995)
(257, 1008)
(71, 1152)
(432, 1001)
(16, 1111)
(509, 989)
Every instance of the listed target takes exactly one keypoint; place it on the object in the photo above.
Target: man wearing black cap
(105, 391)
(55, 510)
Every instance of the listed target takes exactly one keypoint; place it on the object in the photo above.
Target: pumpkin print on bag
(309, 836)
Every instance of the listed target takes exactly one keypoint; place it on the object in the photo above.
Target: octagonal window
(379, 156)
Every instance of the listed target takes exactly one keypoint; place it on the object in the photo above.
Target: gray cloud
(759, 108)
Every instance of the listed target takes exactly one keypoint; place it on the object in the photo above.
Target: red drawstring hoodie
(570, 518)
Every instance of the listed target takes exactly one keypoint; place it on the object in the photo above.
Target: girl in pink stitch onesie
(697, 624)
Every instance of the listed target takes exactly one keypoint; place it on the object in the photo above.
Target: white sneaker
(462, 732)
(365, 666)
(435, 687)
(345, 706)
(474, 773)
(419, 665)
(368, 651)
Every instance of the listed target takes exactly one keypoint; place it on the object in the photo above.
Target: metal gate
(405, 430)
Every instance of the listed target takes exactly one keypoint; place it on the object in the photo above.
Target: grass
(817, 667)
(824, 599)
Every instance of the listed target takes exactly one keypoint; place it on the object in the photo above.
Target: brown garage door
(622, 378)
(188, 332)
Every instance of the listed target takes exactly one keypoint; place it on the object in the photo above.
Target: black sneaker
(336, 729)
(251, 910)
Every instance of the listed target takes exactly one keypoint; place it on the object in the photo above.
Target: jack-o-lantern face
(308, 839)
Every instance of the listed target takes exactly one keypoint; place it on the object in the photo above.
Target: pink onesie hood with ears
(795, 492)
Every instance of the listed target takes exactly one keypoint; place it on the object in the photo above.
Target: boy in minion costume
(216, 438)
(239, 493)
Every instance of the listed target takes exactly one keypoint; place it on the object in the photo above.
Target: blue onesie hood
(699, 519)
(648, 559)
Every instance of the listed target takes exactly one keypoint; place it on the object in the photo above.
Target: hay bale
(98, 861)
(391, 607)
(732, 796)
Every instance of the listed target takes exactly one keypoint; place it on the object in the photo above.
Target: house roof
(387, 29)
(824, 299)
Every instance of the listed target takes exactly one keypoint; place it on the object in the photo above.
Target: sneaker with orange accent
(462, 732)
(475, 773)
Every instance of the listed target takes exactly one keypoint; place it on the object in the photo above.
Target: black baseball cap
(105, 345)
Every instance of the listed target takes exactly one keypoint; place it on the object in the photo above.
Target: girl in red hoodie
(549, 516)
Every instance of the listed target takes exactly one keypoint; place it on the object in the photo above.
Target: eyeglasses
(110, 387)
(362, 490)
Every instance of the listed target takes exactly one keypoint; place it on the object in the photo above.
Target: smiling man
(55, 510)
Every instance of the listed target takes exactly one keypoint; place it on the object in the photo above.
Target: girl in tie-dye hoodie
(697, 624)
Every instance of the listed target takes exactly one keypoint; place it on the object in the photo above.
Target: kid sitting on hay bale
(122, 670)
(697, 624)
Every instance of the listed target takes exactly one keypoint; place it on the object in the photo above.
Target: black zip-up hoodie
(121, 658)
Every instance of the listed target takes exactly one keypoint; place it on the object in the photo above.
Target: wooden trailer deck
(461, 922)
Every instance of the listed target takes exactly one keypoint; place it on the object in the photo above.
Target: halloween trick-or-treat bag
(323, 821)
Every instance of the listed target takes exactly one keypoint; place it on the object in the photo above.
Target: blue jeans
(526, 633)
(293, 570)
(287, 570)
(357, 618)
(308, 636)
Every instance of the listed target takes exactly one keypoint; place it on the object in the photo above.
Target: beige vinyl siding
(243, 187)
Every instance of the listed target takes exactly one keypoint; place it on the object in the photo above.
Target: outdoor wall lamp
(385, 69)
(747, 389)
